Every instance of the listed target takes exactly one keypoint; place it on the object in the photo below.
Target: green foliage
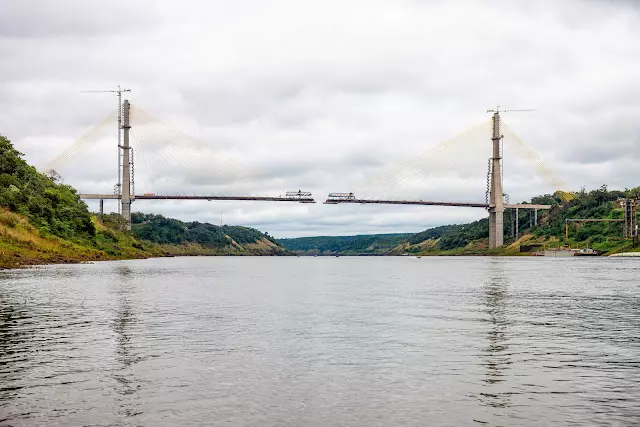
(362, 244)
(162, 230)
(114, 221)
(52, 207)
(598, 203)
(453, 236)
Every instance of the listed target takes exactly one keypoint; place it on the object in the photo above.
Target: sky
(260, 98)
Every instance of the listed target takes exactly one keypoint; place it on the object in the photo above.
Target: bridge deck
(432, 203)
(525, 206)
(405, 202)
(161, 197)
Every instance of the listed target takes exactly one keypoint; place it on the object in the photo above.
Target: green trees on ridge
(52, 207)
(162, 230)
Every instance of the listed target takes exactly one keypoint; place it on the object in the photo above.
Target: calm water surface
(322, 342)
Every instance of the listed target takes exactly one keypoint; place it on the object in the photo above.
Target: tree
(54, 176)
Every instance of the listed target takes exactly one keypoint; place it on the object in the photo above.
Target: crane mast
(118, 91)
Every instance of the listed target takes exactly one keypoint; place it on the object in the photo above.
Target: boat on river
(588, 252)
(563, 251)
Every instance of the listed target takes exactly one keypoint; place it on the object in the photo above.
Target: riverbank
(527, 245)
(23, 245)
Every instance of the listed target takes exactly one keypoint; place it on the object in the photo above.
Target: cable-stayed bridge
(154, 142)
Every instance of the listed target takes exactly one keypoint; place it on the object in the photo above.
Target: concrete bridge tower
(125, 195)
(496, 203)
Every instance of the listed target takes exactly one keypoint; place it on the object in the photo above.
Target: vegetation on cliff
(202, 238)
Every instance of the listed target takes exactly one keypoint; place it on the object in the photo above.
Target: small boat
(588, 252)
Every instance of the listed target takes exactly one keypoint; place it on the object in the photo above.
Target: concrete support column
(125, 198)
(496, 204)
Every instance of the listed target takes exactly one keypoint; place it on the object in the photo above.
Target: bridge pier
(496, 203)
(125, 197)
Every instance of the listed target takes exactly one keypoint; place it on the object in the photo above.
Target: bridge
(496, 202)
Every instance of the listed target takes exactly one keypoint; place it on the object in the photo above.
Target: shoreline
(30, 262)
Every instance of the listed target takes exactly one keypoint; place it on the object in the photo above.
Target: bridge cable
(81, 144)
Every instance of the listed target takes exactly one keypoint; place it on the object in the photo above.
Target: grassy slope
(22, 244)
(260, 248)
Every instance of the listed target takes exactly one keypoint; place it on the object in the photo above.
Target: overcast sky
(326, 96)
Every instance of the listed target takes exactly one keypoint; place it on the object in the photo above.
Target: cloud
(38, 19)
(324, 97)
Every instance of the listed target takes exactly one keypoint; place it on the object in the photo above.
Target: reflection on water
(14, 342)
(321, 341)
(496, 353)
(124, 322)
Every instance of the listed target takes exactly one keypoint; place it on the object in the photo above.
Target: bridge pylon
(125, 194)
(496, 203)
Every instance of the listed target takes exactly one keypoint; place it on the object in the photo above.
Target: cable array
(543, 170)
(428, 168)
(83, 143)
(174, 154)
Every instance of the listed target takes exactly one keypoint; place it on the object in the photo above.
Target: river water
(349, 341)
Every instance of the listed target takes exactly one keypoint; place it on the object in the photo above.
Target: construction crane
(118, 188)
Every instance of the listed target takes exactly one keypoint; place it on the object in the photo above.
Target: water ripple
(321, 341)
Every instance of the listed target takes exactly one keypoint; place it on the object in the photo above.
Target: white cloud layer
(324, 96)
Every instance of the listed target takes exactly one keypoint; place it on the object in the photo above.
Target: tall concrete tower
(125, 197)
(496, 204)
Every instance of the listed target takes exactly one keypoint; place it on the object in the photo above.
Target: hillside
(181, 238)
(51, 207)
(371, 244)
(22, 244)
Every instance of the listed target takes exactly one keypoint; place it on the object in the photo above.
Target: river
(349, 341)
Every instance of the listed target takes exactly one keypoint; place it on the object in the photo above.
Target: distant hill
(202, 238)
(370, 244)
